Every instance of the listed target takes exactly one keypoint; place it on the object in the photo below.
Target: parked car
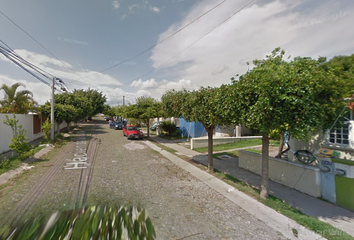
(132, 132)
(155, 124)
(118, 125)
(111, 123)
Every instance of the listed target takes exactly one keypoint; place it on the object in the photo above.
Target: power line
(24, 64)
(5, 53)
(158, 43)
(18, 57)
(192, 43)
(38, 42)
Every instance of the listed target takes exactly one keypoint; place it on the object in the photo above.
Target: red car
(132, 132)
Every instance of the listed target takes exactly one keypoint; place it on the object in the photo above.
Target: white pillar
(238, 130)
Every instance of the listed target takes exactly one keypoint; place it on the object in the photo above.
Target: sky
(144, 48)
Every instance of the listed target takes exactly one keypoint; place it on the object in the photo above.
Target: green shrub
(168, 127)
(46, 127)
(95, 222)
(18, 141)
(5, 163)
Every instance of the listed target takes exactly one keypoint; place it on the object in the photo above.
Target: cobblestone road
(125, 172)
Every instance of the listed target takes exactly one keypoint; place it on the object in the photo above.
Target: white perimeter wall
(27, 123)
(301, 177)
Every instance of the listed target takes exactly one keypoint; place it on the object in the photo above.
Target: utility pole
(123, 100)
(52, 122)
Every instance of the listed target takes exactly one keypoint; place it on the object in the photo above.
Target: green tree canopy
(16, 101)
(298, 96)
(144, 109)
(209, 106)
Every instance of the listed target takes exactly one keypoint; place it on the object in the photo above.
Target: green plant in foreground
(95, 222)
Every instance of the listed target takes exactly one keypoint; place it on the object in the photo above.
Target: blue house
(191, 129)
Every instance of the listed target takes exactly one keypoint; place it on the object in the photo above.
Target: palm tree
(16, 101)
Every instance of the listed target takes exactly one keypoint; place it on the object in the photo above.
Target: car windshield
(132, 128)
(118, 122)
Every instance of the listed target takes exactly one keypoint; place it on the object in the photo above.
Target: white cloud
(40, 60)
(115, 4)
(151, 83)
(317, 29)
(154, 9)
(80, 79)
(220, 69)
(55, 67)
(177, 85)
(131, 8)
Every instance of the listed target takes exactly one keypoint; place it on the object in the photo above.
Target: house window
(340, 135)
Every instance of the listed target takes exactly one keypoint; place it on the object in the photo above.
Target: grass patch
(14, 162)
(228, 146)
(343, 161)
(168, 137)
(254, 150)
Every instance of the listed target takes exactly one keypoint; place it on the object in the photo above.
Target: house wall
(301, 177)
(232, 131)
(192, 129)
(224, 131)
(27, 122)
(313, 145)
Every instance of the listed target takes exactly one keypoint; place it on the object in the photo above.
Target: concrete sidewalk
(336, 216)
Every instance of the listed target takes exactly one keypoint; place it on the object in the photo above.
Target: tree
(97, 100)
(298, 96)
(78, 100)
(208, 106)
(343, 69)
(62, 113)
(17, 101)
(90, 101)
(144, 109)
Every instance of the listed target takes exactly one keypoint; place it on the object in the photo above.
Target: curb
(270, 217)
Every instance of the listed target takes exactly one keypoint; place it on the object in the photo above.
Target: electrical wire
(191, 43)
(4, 52)
(19, 58)
(9, 53)
(158, 43)
(39, 43)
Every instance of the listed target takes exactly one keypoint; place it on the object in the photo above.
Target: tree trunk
(281, 145)
(148, 130)
(68, 126)
(265, 165)
(210, 131)
(58, 130)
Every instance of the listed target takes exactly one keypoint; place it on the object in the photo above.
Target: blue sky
(90, 36)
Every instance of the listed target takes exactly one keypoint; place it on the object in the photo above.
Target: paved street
(100, 166)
